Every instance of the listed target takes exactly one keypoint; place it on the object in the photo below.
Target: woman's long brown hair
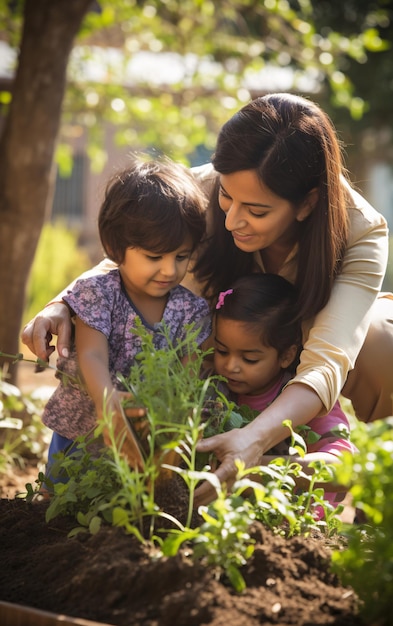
(292, 145)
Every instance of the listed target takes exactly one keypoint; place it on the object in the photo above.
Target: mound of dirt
(110, 577)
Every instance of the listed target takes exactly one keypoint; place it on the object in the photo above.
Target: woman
(280, 203)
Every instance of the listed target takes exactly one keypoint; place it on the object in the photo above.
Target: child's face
(250, 367)
(150, 274)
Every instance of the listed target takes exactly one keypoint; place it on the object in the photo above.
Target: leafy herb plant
(366, 563)
(96, 485)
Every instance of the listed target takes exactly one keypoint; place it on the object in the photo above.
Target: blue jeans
(57, 444)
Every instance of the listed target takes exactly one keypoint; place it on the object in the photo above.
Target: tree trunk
(27, 146)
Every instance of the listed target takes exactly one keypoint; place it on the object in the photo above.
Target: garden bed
(111, 578)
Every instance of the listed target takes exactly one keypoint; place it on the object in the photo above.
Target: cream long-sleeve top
(333, 339)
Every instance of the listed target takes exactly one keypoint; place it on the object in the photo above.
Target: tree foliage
(216, 53)
(213, 57)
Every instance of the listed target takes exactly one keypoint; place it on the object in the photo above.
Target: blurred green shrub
(23, 436)
(367, 562)
(58, 260)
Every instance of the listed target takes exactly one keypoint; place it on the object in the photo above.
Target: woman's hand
(237, 444)
(55, 319)
(297, 403)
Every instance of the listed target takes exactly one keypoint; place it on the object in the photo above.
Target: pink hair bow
(221, 298)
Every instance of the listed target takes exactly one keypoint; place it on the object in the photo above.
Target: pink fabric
(329, 441)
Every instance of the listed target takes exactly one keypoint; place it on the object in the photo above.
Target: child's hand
(132, 412)
(130, 428)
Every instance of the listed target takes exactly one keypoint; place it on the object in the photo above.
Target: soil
(112, 578)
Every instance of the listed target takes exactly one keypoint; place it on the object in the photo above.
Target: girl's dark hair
(293, 147)
(266, 303)
(152, 204)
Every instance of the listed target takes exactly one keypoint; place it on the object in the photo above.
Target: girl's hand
(52, 320)
(129, 427)
(237, 444)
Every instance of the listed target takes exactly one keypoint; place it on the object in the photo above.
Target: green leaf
(236, 578)
(95, 525)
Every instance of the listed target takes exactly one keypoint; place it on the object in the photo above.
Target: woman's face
(256, 217)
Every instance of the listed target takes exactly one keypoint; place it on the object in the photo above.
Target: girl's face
(147, 273)
(249, 366)
(257, 217)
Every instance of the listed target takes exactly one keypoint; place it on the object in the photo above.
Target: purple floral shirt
(102, 303)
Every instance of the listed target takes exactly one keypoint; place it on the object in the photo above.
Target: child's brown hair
(154, 205)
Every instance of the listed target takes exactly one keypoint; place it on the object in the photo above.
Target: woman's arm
(339, 330)
(55, 319)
